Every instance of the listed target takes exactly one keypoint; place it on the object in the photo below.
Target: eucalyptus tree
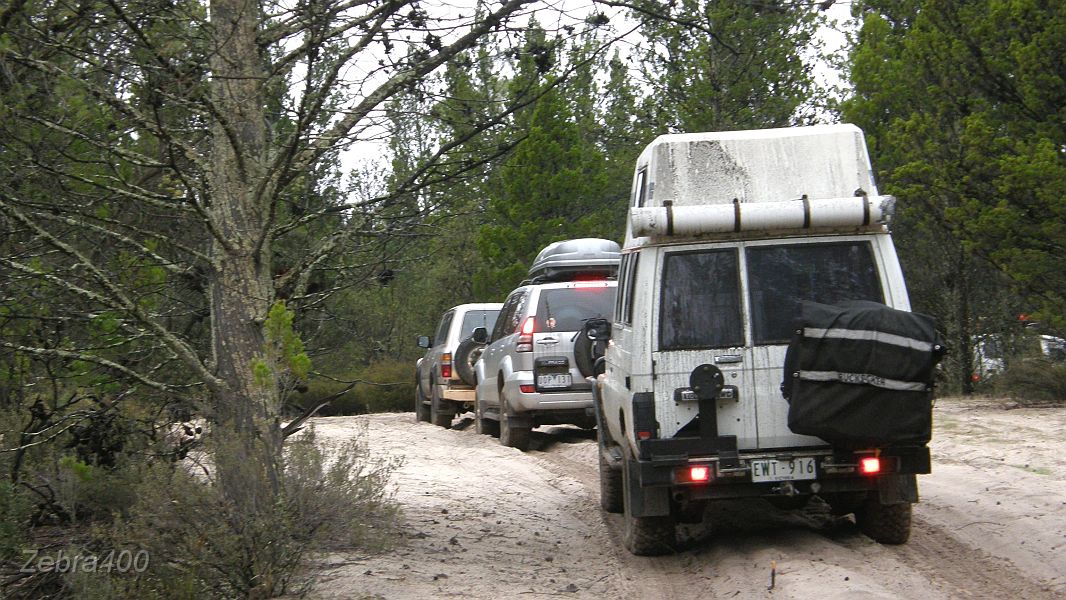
(158, 161)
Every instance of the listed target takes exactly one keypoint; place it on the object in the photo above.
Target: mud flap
(520, 421)
(643, 501)
(897, 489)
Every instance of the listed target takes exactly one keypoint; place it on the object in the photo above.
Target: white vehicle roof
(477, 306)
(820, 171)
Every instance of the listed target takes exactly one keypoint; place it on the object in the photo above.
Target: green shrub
(14, 521)
(386, 386)
(392, 387)
(1034, 381)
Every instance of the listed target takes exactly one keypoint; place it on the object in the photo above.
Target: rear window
(700, 301)
(567, 309)
(478, 318)
(779, 277)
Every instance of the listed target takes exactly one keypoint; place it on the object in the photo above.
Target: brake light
(529, 326)
(694, 474)
(699, 474)
(446, 365)
(870, 465)
(527, 388)
(525, 335)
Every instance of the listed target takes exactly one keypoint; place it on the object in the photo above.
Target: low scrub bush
(199, 544)
(1034, 381)
(386, 386)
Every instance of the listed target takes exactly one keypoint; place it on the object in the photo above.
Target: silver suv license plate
(783, 470)
(554, 381)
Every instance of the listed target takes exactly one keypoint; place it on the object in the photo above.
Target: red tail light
(870, 465)
(694, 474)
(525, 336)
(527, 388)
(529, 326)
(446, 365)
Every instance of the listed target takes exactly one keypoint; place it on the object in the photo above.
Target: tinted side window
(779, 277)
(477, 318)
(623, 269)
(507, 321)
(640, 187)
(700, 301)
(442, 329)
(631, 281)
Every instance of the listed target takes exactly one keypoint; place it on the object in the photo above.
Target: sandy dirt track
(484, 521)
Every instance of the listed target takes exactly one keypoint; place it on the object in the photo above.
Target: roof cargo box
(575, 259)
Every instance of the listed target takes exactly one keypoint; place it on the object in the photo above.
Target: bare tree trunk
(241, 285)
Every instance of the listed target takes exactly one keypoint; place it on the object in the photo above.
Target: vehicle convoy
(527, 374)
(440, 390)
(758, 264)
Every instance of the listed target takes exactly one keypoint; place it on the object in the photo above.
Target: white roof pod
(796, 179)
(560, 261)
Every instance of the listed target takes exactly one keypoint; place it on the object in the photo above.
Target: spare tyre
(465, 356)
(590, 345)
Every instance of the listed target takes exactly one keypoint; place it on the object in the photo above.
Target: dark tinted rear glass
(700, 301)
(779, 277)
(478, 318)
(567, 309)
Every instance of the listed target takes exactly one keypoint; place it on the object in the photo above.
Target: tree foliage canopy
(965, 102)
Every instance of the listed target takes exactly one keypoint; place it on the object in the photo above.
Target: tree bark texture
(241, 288)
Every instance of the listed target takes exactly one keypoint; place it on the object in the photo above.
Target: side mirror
(424, 341)
(480, 335)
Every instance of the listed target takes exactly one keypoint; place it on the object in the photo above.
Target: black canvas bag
(861, 374)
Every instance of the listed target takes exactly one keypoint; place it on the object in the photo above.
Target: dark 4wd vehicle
(441, 391)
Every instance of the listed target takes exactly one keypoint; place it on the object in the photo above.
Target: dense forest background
(184, 234)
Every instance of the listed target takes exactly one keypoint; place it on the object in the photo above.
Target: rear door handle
(728, 358)
(547, 341)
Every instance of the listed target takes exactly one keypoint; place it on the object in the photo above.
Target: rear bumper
(458, 394)
(578, 401)
(836, 470)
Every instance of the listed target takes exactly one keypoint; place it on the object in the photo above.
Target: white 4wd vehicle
(730, 238)
(528, 374)
(440, 390)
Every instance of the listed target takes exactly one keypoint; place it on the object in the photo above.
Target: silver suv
(444, 376)
(528, 374)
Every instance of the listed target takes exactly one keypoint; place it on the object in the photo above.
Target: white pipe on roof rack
(803, 214)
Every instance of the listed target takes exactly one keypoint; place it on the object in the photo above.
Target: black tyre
(482, 424)
(611, 499)
(590, 346)
(885, 523)
(441, 411)
(511, 435)
(421, 408)
(647, 536)
(466, 354)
